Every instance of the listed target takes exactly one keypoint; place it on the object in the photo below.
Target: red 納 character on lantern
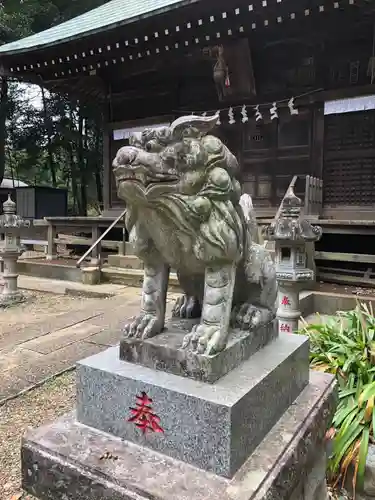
(285, 328)
(143, 416)
(285, 301)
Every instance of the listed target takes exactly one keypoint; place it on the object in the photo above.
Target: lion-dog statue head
(185, 181)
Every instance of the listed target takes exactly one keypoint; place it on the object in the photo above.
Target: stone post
(291, 232)
(10, 250)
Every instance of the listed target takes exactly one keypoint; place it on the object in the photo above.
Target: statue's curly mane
(203, 207)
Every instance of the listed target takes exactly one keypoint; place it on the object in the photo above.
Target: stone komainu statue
(186, 212)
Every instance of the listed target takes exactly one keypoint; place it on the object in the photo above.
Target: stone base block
(11, 299)
(66, 460)
(214, 427)
(91, 275)
(164, 351)
(125, 261)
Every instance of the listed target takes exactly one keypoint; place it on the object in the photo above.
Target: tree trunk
(73, 173)
(3, 117)
(47, 126)
(71, 149)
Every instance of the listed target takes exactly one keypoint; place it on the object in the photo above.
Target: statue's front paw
(205, 339)
(187, 307)
(144, 326)
(249, 317)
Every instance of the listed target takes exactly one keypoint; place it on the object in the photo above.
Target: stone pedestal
(249, 426)
(204, 425)
(66, 460)
(164, 352)
(10, 292)
(11, 226)
(288, 312)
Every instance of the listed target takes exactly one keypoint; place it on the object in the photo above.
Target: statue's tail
(246, 204)
(259, 266)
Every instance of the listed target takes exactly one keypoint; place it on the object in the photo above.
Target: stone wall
(313, 487)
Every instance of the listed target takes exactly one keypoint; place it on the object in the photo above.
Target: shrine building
(293, 81)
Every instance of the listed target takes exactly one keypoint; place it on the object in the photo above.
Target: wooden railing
(54, 231)
(313, 196)
(96, 246)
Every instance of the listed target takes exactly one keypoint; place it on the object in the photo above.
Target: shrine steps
(132, 277)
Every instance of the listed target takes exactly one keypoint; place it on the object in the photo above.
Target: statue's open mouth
(146, 180)
(143, 175)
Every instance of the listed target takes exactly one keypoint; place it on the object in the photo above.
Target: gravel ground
(39, 306)
(35, 408)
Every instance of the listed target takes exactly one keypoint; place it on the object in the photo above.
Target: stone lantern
(10, 249)
(291, 231)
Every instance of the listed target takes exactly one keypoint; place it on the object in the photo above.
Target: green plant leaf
(346, 392)
(344, 345)
(367, 393)
(362, 456)
(340, 416)
(342, 445)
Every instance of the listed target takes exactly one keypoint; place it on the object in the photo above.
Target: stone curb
(89, 294)
(36, 385)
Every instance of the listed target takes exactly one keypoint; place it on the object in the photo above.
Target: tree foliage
(47, 139)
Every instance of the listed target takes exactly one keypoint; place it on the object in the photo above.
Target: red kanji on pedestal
(285, 301)
(143, 416)
(284, 328)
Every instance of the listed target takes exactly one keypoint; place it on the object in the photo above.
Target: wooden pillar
(96, 251)
(107, 171)
(317, 151)
(107, 162)
(51, 248)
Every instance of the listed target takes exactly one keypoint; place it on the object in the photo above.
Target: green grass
(344, 345)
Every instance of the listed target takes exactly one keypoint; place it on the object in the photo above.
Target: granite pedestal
(214, 427)
(252, 433)
(164, 352)
(64, 461)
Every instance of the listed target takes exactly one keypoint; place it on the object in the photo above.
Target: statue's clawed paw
(204, 339)
(187, 307)
(143, 326)
(249, 317)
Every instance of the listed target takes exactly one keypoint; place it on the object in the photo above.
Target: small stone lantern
(290, 232)
(10, 249)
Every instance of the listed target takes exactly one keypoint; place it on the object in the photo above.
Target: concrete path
(31, 352)
(68, 287)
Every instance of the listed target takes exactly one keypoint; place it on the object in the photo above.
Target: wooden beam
(346, 257)
(81, 241)
(329, 95)
(345, 279)
(152, 120)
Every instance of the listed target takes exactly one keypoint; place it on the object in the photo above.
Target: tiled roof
(110, 15)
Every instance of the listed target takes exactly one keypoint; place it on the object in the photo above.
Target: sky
(33, 93)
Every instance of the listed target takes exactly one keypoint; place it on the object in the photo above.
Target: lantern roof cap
(291, 225)
(291, 205)
(9, 206)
